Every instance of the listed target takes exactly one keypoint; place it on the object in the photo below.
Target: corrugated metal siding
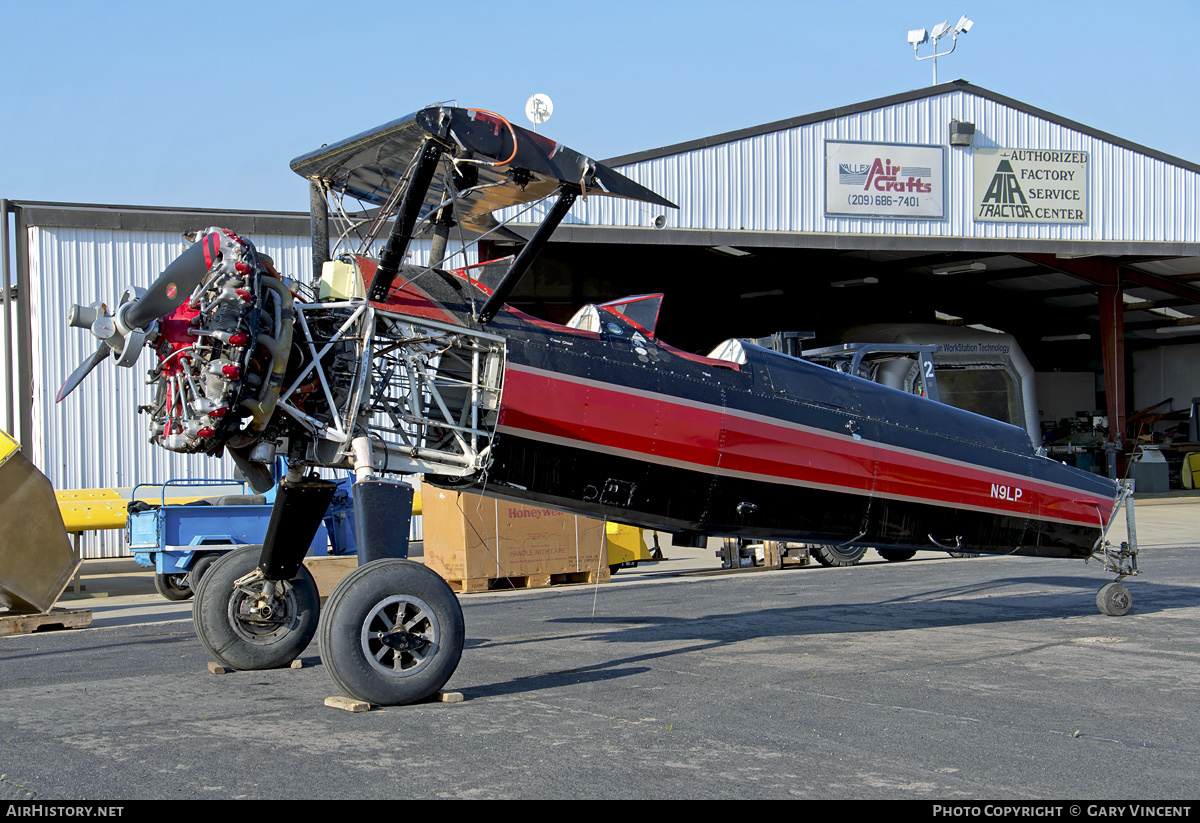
(775, 181)
(93, 439)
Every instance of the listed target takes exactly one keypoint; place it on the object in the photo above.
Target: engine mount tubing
(406, 217)
(298, 511)
(525, 258)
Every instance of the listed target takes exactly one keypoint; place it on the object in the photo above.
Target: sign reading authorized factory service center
(884, 180)
(1031, 185)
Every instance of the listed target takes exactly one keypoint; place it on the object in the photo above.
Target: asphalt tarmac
(932, 679)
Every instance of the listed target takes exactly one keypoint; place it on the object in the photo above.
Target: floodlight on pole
(538, 109)
(918, 37)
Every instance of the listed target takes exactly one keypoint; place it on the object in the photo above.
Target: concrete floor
(119, 592)
(933, 679)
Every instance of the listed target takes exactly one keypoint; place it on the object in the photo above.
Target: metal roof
(892, 100)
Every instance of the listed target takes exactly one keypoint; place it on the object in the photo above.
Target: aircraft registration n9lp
(391, 368)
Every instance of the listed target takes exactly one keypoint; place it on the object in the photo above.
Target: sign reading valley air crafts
(1031, 185)
(884, 180)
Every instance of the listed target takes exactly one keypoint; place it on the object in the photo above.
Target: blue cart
(180, 541)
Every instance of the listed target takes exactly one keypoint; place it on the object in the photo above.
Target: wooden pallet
(29, 622)
(532, 581)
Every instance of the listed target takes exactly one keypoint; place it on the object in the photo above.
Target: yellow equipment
(85, 510)
(91, 509)
(626, 544)
(1190, 473)
(36, 561)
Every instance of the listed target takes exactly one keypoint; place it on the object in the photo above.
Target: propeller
(83, 370)
(176, 283)
(123, 333)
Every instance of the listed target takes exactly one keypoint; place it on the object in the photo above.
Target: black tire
(367, 604)
(614, 568)
(239, 639)
(1114, 599)
(199, 566)
(173, 586)
(830, 555)
(896, 555)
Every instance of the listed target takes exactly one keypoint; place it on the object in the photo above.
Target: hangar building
(949, 205)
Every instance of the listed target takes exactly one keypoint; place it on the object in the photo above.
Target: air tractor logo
(1031, 185)
(1004, 197)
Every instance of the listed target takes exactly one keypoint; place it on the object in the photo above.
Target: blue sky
(204, 104)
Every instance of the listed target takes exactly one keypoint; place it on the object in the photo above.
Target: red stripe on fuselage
(662, 429)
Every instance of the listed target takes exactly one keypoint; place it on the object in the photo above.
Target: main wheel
(1114, 599)
(242, 627)
(831, 555)
(391, 633)
(173, 586)
(896, 555)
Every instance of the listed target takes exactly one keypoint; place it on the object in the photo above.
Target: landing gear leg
(1114, 598)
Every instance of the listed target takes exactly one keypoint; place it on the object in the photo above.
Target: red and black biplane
(392, 368)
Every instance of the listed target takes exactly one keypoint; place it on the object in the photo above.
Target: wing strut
(566, 197)
(406, 217)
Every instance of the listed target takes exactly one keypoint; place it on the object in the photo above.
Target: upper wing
(508, 165)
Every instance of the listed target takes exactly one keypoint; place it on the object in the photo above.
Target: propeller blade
(176, 283)
(82, 371)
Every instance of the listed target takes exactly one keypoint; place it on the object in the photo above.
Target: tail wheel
(391, 633)
(1114, 599)
(830, 555)
(896, 555)
(254, 625)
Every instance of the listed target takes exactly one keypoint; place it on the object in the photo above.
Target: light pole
(919, 37)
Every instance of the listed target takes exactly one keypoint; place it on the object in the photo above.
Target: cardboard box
(470, 537)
